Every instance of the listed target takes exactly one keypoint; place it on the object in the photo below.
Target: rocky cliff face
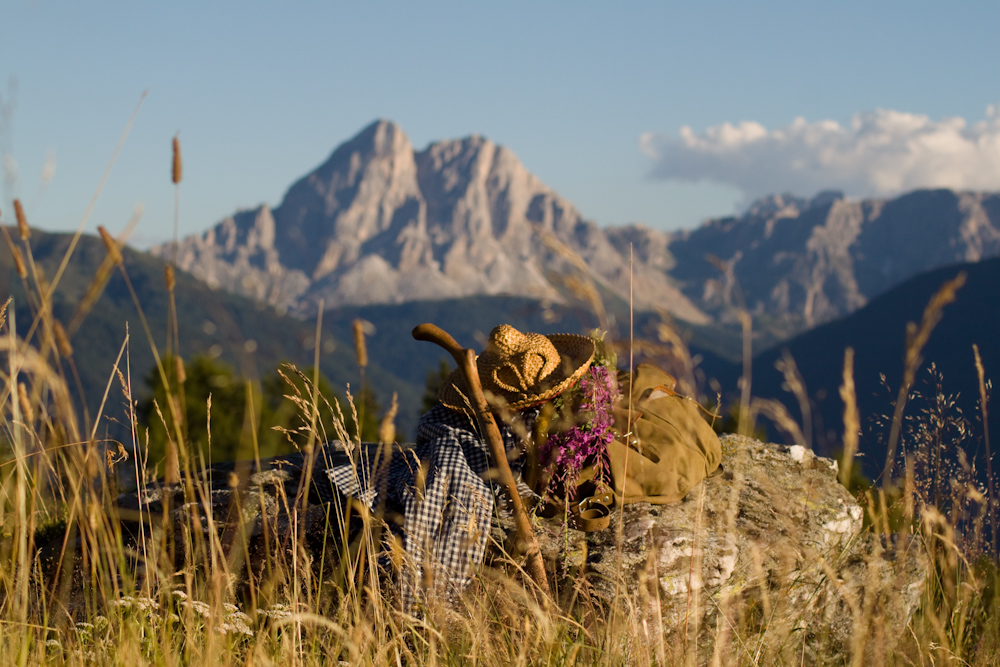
(379, 222)
(805, 262)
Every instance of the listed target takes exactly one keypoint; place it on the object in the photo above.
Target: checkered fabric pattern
(443, 490)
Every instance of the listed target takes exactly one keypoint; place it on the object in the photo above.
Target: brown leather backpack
(666, 448)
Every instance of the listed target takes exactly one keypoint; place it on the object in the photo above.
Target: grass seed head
(27, 413)
(62, 340)
(387, 429)
(16, 253)
(22, 221)
(360, 349)
(3, 311)
(168, 273)
(22, 270)
(114, 252)
(176, 170)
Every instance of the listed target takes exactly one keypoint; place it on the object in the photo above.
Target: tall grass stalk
(984, 410)
(852, 418)
(93, 201)
(916, 338)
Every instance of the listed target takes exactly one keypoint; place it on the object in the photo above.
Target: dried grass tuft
(916, 339)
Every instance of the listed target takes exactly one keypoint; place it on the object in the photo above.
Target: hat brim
(576, 354)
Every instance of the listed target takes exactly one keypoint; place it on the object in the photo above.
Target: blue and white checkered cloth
(444, 490)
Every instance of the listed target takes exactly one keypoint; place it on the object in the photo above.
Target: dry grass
(114, 602)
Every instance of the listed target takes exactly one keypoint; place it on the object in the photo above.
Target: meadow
(78, 587)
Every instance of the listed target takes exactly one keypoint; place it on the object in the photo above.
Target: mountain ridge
(379, 222)
(809, 264)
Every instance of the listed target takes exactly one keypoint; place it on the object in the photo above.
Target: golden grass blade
(794, 382)
(583, 285)
(172, 472)
(15, 252)
(107, 389)
(746, 324)
(777, 413)
(387, 429)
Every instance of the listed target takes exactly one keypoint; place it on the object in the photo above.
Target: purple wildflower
(566, 454)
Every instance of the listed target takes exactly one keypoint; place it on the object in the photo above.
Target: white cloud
(884, 152)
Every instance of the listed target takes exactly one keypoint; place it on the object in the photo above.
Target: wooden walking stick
(466, 360)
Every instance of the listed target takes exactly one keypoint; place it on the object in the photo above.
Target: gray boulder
(767, 556)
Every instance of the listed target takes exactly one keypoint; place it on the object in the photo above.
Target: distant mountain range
(254, 338)
(251, 336)
(380, 223)
(461, 234)
(799, 263)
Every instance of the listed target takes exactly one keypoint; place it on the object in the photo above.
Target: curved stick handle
(466, 360)
(432, 333)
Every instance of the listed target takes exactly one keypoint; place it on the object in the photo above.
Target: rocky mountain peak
(378, 222)
(800, 262)
(352, 197)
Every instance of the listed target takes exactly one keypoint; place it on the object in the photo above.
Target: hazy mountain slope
(246, 334)
(877, 333)
(470, 320)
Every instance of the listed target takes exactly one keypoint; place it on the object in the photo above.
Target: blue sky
(648, 112)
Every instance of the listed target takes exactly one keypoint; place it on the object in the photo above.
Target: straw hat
(523, 369)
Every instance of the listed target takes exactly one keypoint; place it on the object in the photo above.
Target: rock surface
(772, 545)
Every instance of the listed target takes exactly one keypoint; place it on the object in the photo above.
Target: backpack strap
(592, 513)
